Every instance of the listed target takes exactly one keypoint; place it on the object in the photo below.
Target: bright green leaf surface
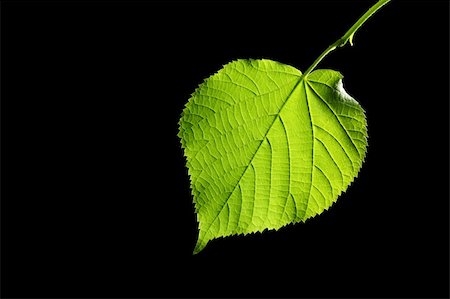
(266, 146)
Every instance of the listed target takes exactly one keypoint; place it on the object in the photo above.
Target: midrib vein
(301, 79)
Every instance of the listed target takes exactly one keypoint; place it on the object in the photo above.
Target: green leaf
(267, 146)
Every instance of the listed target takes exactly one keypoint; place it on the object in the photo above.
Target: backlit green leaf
(266, 146)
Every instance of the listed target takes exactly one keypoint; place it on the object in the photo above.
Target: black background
(95, 194)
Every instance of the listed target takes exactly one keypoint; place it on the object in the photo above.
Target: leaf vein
(337, 118)
(254, 155)
(343, 149)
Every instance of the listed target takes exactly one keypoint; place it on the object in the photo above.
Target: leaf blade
(240, 154)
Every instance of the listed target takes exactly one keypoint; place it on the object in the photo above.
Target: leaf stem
(348, 36)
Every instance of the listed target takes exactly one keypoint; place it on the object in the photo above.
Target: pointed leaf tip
(200, 245)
